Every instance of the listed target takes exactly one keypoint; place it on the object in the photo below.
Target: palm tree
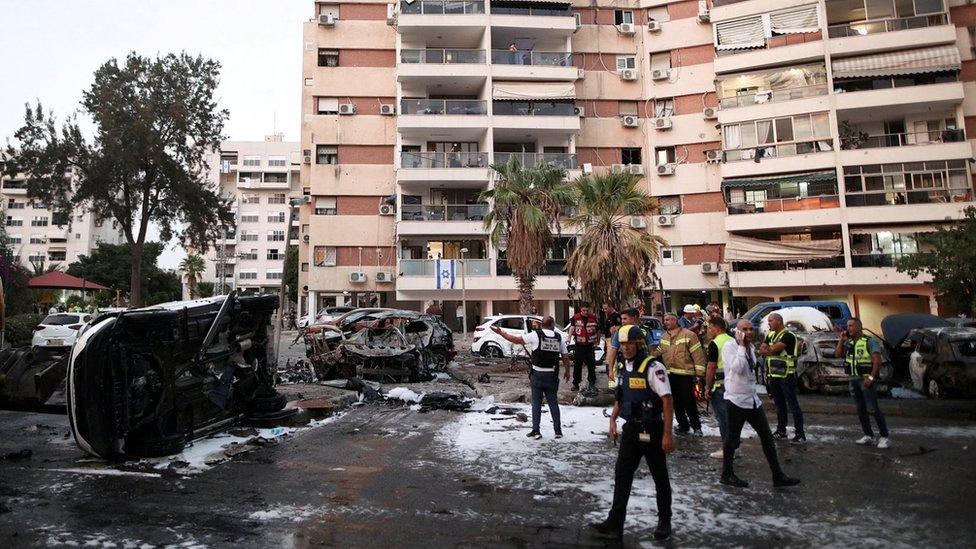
(525, 206)
(613, 261)
(192, 268)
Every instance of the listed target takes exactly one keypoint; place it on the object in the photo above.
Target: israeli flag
(445, 273)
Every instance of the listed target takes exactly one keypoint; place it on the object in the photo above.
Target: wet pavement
(387, 475)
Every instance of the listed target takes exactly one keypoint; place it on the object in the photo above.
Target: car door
(514, 325)
(926, 351)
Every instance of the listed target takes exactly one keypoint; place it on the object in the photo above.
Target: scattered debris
(444, 401)
(404, 394)
(484, 378)
(299, 372)
(26, 453)
(903, 393)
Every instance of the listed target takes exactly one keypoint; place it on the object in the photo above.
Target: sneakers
(799, 438)
(535, 434)
(717, 454)
(865, 440)
(606, 530)
(782, 481)
(559, 435)
(680, 431)
(733, 481)
(780, 435)
(663, 529)
(698, 433)
(884, 443)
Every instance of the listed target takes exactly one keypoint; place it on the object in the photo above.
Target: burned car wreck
(33, 377)
(389, 345)
(145, 382)
(943, 361)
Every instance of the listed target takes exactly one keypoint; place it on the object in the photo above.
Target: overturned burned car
(33, 377)
(144, 382)
(383, 345)
(943, 361)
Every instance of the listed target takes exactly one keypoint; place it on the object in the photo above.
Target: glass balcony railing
(442, 7)
(780, 150)
(503, 7)
(443, 212)
(560, 160)
(534, 108)
(902, 197)
(533, 58)
(863, 28)
(442, 56)
(552, 267)
(444, 106)
(428, 160)
(752, 266)
(786, 204)
(425, 267)
(773, 96)
(904, 139)
(876, 259)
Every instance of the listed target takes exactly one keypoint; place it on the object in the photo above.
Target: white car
(59, 329)
(325, 315)
(489, 344)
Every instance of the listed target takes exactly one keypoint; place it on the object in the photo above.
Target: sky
(51, 48)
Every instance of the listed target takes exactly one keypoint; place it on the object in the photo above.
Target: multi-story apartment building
(260, 177)
(797, 147)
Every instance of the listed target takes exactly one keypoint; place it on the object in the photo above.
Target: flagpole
(464, 297)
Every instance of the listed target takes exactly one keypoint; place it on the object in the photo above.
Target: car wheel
(492, 351)
(267, 404)
(156, 447)
(933, 389)
(441, 360)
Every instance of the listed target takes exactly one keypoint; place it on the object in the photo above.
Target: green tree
(291, 273)
(205, 289)
(192, 268)
(525, 206)
(613, 261)
(949, 256)
(111, 265)
(155, 120)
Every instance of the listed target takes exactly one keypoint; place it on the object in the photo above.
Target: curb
(926, 409)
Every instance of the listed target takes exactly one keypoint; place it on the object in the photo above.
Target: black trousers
(685, 407)
(738, 417)
(584, 354)
(628, 460)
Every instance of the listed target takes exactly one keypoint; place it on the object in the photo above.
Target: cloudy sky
(50, 48)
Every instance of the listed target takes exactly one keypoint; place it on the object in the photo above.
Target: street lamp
(464, 297)
(280, 325)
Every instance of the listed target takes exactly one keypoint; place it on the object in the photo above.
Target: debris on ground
(593, 398)
(404, 394)
(444, 401)
(368, 389)
(299, 372)
(902, 392)
(484, 378)
(26, 453)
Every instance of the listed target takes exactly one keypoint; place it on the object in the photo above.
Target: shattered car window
(966, 348)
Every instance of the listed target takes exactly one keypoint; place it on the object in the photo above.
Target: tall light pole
(280, 325)
(464, 297)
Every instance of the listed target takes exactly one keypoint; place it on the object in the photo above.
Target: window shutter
(740, 34)
(796, 21)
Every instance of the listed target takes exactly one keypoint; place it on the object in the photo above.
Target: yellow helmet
(628, 333)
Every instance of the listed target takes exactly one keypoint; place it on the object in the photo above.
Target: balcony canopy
(56, 280)
(779, 180)
(743, 248)
(918, 61)
(529, 91)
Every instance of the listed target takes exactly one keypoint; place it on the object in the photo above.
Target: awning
(770, 181)
(57, 280)
(795, 21)
(922, 60)
(742, 248)
(525, 91)
(740, 34)
(875, 229)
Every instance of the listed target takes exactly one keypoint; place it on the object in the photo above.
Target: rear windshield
(60, 320)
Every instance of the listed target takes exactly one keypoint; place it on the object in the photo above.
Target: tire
(490, 350)
(164, 446)
(267, 404)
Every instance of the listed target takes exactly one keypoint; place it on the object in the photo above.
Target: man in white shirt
(743, 405)
(546, 349)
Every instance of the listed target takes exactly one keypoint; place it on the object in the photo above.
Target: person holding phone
(862, 355)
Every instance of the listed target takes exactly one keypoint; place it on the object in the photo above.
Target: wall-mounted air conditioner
(629, 121)
(327, 19)
(357, 277)
(665, 169)
(638, 222)
(709, 267)
(663, 123)
(660, 74)
(664, 221)
(387, 209)
(628, 74)
(626, 28)
(347, 108)
(384, 276)
(388, 109)
(710, 113)
(654, 26)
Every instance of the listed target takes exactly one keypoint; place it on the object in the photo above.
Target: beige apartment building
(797, 147)
(260, 177)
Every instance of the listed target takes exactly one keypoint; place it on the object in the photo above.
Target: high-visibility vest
(857, 355)
(720, 341)
(784, 363)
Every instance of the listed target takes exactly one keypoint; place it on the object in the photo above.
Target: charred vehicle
(943, 361)
(33, 377)
(901, 334)
(144, 382)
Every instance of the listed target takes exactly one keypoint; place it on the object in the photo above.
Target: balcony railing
(552, 267)
(752, 266)
(904, 139)
(863, 28)
(534, 108)
(442, 7)
(533, 58)
(876, 259)
(443, 106)
(773, 96)
(897, 198)
(427, 160)
(425, 267)
(442, 56)
(786, 204)
(522, 9)
(565, 161)
(780, 150)
(443, 212)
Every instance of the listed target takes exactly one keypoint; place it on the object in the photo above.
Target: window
(623, 16)
(37, 239)
(273, 274)
(306, 191)
(277, 161)
(329, 9)
(276, 178)
(277, 198)
(669, 205)
(229, 158)
(324, 256)
(276, 236)
(328, 58)
(661, 61)
(37, 221)
(247, 275)
(627, 108)
(626, 62)
(15, 239)
(15, 205)
(38, 205)
(663, 107)
(273, 254)
(659, 13)
(671, 256)
(250, 199)
(664, 155)
(249, 255)
(77, 236)
(327, 105)
(630, 155)
(60, 219)
(37, 258)
(325, 205)
(278, 217)
(512, 323)
(304, 266)
(252, 160)
(57, 256)
(250, 217)
(249, 236)
(304, 228)
(326, 154)
(14, 221)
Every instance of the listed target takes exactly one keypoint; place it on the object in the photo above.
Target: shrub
(20, 329)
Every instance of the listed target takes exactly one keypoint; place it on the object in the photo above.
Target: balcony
(786, 205)
(452, 69)
(442, 7)
(436, 160)
(427, 17)
(876, 260)
(425, 267)
(419, 116)
(443, 212)
(773, 96)
(903, 139)
(779, 150)
(461, 169)
(753, 266)
(905, 197)
(878, 26)
(442, 56)
(553, 267)
(448, 107)
(565, 161)
(558, 117)
(544, 18)
(533, 65)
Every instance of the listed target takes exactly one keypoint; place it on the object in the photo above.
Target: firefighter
(682, 354)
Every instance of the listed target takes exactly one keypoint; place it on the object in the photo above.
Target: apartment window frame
(628, 108)
(783, 131)
(250, 236)
(40, 221)
(247, 275)
(57, 255)
(272, 254)
(663, 107)
(326, 205)
(37, 239)
(666, 153)
(277, 161)
(251, 160)
(328, 57)
(631, 155)
(276, 217)
(278, 199)
(250, 199)
(325, 256)
(275, 235)
(626, 62)
(274, 274)
(304, 266)
(672, 255)
(661, 60)
(623, 17)
(14, 221)
(15, 239)
(327, 106)
(669, 205)
(250, 217)
(327, 154)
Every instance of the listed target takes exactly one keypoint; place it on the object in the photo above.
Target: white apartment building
(260, 177)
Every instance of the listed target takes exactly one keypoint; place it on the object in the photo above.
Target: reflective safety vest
(638, 401)
(857, 356)
(784, 363)
(720, 342)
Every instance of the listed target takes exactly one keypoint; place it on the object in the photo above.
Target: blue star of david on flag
(445, 273)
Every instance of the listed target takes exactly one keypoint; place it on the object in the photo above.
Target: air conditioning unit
(654, 26)
(662, 123)
(618, 168)
(387, 209)
(307, 159)
(384, 276)
(713, 156)
(357, 277)
(347, 108)
(388, 109)
(580, 112)
(629, 121)
(665, 169)
(327, 19)
(636, 169)
(628, 74)
(660, 74)
(710, 113)
(664, 221)
(638, 222)
(580, 74)
(587, 168)
(709, 267)
(626, 28)
(723, 278)
(703, 14)
(306, 238)
(390, 14)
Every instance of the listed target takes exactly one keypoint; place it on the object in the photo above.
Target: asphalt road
(390, 476)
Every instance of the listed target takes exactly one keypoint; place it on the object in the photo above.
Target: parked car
(901, 335)
(489, 344)
(59, 329)
(324, 315)
(838, 311)
(654, 326)
(800, 319)
(943, 361)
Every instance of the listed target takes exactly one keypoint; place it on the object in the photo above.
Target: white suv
(489, 344)
(59, 330)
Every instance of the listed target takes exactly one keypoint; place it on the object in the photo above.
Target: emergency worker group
(657, 388)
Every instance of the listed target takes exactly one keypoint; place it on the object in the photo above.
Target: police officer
(643, 399)
(862, 354)
(546, 349)
(715, 374)
(780, 349)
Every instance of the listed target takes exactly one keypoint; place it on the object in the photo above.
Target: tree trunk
(135, 282)
(526, 284)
